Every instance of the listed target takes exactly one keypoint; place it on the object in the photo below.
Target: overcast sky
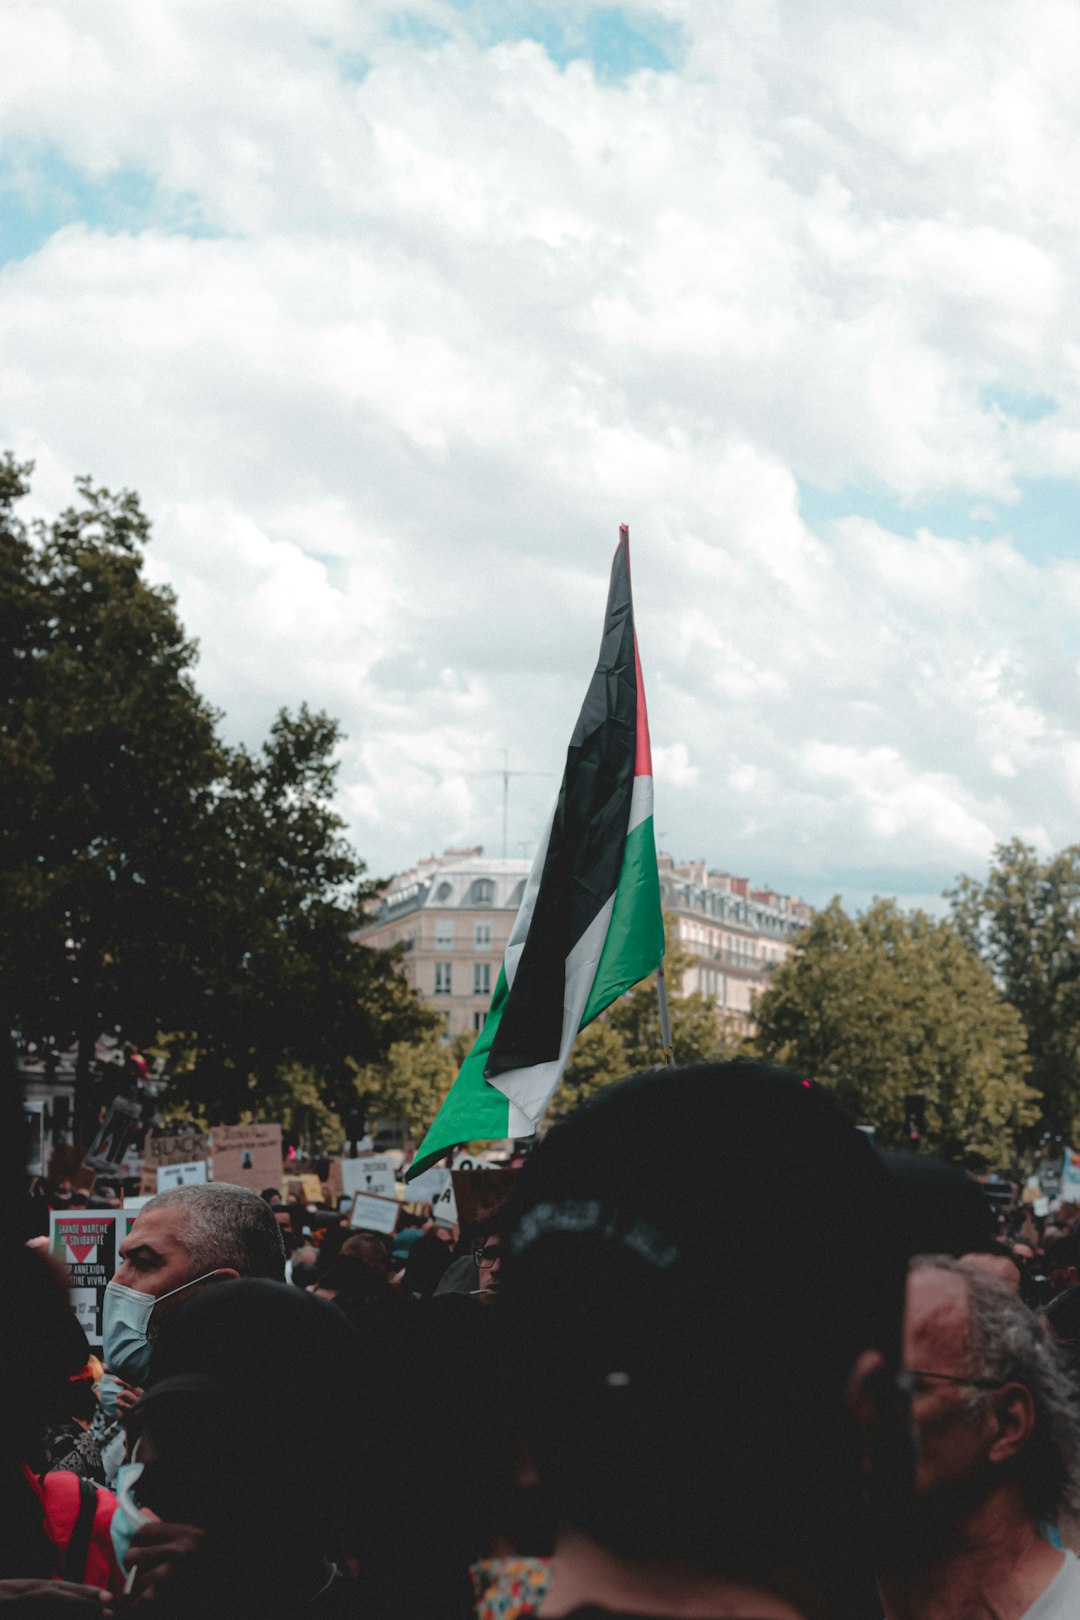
(391, 315)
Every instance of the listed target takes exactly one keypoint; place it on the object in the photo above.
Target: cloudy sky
(392, 314)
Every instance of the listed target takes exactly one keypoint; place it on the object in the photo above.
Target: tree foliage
(1024, 921)
(152, 880)
(411, 1082)
(891, 1004)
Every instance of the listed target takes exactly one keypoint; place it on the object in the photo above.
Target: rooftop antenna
(506, 773)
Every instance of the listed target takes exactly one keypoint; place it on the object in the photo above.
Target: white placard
(374, 1214)
(372, 1175)
(181, 1175)
(444, 1204)
(84, 1302)
(470, 1161)
(427, 1186)
(1041, 1207)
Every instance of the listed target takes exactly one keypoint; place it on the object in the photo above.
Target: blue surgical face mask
(107, 1391)
(125, 1320)
(128, 1516)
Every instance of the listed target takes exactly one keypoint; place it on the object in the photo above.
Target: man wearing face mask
(182, 1240)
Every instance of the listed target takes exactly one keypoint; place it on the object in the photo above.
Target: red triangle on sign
(80, 1252)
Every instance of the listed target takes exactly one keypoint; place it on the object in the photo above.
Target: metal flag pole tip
(665, 1018)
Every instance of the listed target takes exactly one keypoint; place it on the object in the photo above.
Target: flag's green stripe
(473, 1109)
(634, 945)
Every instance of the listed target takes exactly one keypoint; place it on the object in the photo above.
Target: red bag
(77, 1515)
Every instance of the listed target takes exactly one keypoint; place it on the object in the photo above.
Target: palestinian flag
(590, 924)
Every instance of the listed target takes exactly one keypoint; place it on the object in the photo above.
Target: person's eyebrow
(143, 1250)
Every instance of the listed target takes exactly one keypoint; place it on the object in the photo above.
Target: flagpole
(665, 1018)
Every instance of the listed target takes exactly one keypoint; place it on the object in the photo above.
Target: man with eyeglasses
(999, 1456)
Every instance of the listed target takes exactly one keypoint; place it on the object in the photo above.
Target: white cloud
(409, 327)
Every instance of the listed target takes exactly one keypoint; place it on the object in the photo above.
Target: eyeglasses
(486, 1257)
(912, 1376)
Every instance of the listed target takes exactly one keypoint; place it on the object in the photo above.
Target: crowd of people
(788, 1378)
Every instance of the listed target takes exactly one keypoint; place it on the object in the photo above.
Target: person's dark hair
(227, 1226)
(253, 1388)
(945, 1210)
(1063, 1252)
(677, 1405)
(270, 1192)
(1063, 1314)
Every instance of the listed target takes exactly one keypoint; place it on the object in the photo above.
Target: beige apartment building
(453, 914)
(735, 936)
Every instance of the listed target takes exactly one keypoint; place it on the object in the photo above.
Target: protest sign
(480, 1194)
(427, 1186)
(311, 1188)
(370, 1175)
(461, 1160)
(335, 1186)
(182, 1147)
(106, 1151)
(247, 1155)
(147, 1182)
(373, 1214)
(34, 1115)
(443, 1205)
(181, 1175)
(88, 1244)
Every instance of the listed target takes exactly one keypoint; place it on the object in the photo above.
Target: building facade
(452, 914)
(734, 936)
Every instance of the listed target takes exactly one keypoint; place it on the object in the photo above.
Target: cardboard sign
(334, 1184)
(147, 1182)
(181, 1175)
(369, 1175)
(373, 1214)
(34, 1115)
(106, 1151)
(185, 1147)
(247, 1155)
(311, 1187)
(481, 1194)
(88, 1243)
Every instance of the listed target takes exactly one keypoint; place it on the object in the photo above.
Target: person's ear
(224, 1274)
(1014, 1416)
(863, 1399)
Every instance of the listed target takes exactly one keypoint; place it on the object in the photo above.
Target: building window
(482, 892)
(444, 891)
(444, 933)
(478, 1022)
(481, 976)
(442, 978)
(482, 935)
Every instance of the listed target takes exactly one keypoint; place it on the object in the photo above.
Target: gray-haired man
(181, 1240)
(999, 1455)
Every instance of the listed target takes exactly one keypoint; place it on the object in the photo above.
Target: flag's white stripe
(528, 1091)
(641, 802)
(516, 943)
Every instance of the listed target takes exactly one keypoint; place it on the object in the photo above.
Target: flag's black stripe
(585, 850)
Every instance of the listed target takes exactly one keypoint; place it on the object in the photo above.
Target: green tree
(1024, 921)
(411, 1082)
(890, 1004)
(152, 880)
(109, 761)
